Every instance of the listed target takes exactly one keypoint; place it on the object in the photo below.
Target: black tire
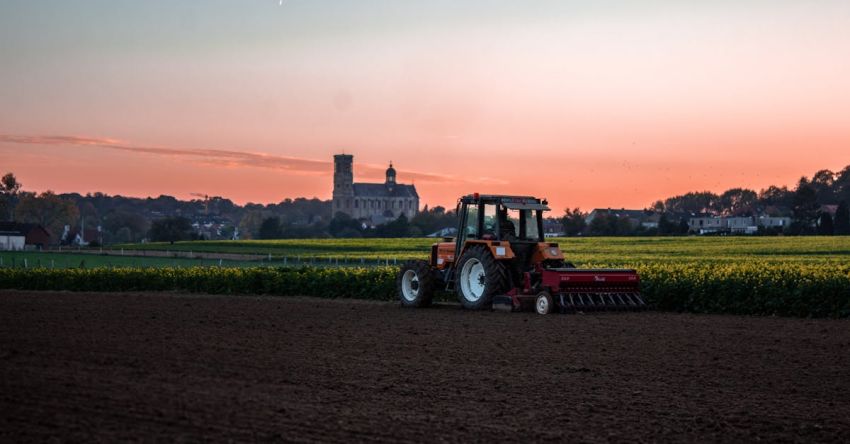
(493, 276)
(416, 284)
(544, 304)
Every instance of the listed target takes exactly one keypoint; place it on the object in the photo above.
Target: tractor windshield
(520, 225)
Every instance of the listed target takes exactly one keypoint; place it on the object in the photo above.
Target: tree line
(807, 204)
(123, 219)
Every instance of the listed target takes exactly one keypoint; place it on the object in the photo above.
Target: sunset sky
(591, 104)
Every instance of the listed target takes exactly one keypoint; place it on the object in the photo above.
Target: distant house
(774, 222)
(741, 225)
(706, 224)
(552, 228)
(831, 209)
(16, 236)
(735, 225)
(80, 237)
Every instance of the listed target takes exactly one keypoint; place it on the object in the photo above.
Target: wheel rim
(542, 305)
(410, 285)
(473, 280)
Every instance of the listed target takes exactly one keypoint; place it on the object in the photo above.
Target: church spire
(391, 174)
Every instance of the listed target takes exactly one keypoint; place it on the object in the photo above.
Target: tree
(397, 228)
(737, 202)
(117, 221)
(658, 206)
(48, 210)
(171, 229)
(683, 226)
(664, 225)
(822, 182)
(693, 203)
(606, 224)
(599, 226)
(573, 222)
(342, 225)
(825, 225)
(431, 220)
(249, 226)
(124, 235)
(805, 208)
(774, 200)
(842, 219)
(841, 185)
(270, 229)
(9, 188)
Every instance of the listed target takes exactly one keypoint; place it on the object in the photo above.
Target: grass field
(790, 276)
(78, 260)
(582, 251)
(324, 248)
(596, 251)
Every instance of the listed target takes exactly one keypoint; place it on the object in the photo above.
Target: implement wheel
(416, 284)
(544, 303)
(479, 278)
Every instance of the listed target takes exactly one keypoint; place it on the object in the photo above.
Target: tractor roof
(510, 202)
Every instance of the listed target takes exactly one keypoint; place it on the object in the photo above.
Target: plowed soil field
(106, 367)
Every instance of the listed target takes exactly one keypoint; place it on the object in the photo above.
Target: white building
(12, 241)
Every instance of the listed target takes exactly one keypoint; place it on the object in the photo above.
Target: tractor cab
(501, 218)
(512, 225)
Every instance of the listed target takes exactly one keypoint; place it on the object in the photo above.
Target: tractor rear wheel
(479, 278)
(416, 284)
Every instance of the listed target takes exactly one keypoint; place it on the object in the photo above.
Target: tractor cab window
(471, 227)
(490, 221)
(510, 224)
(519, 225)
(531, 232)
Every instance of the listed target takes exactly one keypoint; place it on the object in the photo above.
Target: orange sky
(591, 106)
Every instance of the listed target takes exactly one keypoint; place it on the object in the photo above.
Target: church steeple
(391, 175)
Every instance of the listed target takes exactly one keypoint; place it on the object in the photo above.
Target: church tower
(343, 183)
(390, 183)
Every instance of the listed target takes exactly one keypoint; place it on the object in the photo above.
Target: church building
(376, 203)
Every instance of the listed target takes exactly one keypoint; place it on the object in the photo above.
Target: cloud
(237, 159)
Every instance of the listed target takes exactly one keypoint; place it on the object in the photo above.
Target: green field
(32, 259)
(790, 276)
(320, 248)
(597, 251)
(581, 251)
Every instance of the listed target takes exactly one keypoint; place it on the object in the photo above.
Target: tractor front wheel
(544, 303)
(480, 277)
(416, 284)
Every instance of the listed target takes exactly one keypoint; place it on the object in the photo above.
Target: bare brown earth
(106, 367)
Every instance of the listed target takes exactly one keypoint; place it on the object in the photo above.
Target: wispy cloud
(235, 159)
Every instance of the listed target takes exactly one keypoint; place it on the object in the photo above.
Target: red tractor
(500, 259)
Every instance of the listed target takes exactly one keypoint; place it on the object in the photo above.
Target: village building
(16, 236)
(736, 225)
(375, 203)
